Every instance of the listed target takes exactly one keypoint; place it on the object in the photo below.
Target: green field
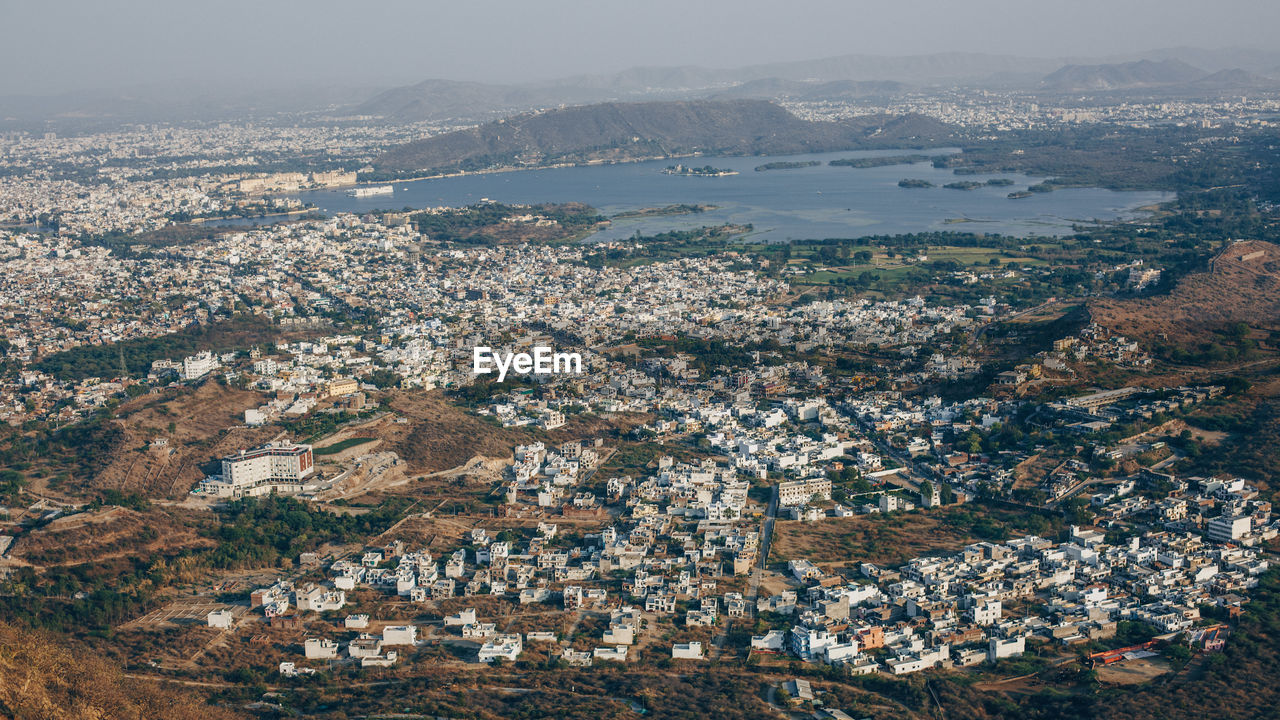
(894, 268)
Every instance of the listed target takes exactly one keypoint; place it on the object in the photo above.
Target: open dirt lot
(880, 539)
(1133, 672)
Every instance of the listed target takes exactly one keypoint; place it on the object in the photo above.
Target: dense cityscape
(941, 386)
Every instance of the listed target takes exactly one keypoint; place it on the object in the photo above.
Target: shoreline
(509, 168)
(201, 221)
(594, 163)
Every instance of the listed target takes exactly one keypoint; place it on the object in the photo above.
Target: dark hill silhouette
(623, 131)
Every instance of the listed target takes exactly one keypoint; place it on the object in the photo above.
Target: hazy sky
(55, 45)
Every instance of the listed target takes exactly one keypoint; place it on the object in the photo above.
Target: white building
(923, 660)
(1228, 529)
(810, 643)
(275, 467)
(198, 365)
(319, 599)
(1003, 648)
(365, 646)
(618, 653)
(988, 613)
(320, 649)
(799, 492)
(687, 651)
(507, 647)
(622, 634)
(220, 619)
(399, 635)
(772, 641)
(462, 617)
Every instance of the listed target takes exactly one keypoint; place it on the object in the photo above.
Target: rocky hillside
(623, 131)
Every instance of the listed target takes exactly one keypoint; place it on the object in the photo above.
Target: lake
(805, 203)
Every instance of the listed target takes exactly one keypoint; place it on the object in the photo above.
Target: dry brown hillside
(107, 533)
(1241, 286)
(41, 679)
(206, 424)
(438, 435)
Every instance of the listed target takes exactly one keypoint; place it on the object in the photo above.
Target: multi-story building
(198, 365)
(800, 492)
(1228, 528)
(275, 467)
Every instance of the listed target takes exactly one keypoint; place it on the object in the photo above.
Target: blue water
(805, 203)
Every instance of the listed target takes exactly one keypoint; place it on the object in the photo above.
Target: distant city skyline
(79, 46)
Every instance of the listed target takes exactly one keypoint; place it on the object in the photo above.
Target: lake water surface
(805, 203)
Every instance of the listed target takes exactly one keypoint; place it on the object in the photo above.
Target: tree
(926, 489)
(1076, 511)
(11, 483)
(385, 379)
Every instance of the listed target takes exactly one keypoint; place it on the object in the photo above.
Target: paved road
(909, 475)
(1175, 457)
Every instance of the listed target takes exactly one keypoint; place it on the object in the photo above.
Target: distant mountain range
(1143, 73)
(1172, 71)
(775, 88)
(625, 131)
(845, 77)
(1173, 75)
(176, 102)
(848, 76)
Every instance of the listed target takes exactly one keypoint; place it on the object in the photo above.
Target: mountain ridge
(1120, 76)
(627, 131)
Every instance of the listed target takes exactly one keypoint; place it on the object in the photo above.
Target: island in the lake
(909, 183)
(974, 185)
(1019, 194)
(678, 209)
(875, 162)
(787, 165)
(704, 171)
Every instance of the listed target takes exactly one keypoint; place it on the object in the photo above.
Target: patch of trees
(133, 358)
(261, 532)
(83, 448)
(875, 162)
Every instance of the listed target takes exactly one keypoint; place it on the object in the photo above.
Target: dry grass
(439, 435)
(200, 426)
(1133, 672)
(1235, 291)
(41, 678)
(108, 533)
(881, 539)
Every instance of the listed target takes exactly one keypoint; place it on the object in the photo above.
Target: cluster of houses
(988, 601)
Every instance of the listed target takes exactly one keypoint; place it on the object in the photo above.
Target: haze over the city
(79, 46)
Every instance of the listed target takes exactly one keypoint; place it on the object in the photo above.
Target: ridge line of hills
(1181, 71)
(611, 132)
(843, 77)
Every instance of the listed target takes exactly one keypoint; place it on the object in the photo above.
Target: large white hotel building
(276, 467)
